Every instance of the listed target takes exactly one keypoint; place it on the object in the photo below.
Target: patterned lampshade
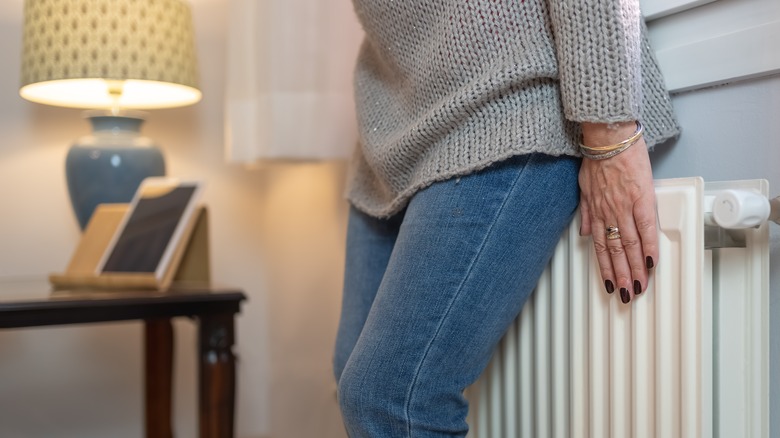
(109, 54)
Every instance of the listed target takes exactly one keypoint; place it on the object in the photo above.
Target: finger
(602, 255)
(620, 265)
(584, 217)
(645, 219)
(632, 247)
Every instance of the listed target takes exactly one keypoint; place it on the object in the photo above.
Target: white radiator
(687, 359)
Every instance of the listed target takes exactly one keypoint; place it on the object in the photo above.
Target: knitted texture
(447, 87)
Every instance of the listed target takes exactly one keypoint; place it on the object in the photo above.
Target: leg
(369, 244)
(158, 355)
(217, 376)
(468, 255)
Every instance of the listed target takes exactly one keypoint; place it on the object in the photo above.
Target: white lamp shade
(89, 53)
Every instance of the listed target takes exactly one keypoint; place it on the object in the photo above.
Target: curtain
(289, 79)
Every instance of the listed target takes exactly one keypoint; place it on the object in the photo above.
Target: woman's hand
(619, 191)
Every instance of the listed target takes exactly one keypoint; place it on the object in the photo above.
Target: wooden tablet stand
(189, 262)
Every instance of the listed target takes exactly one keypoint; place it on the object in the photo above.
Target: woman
(473, 117)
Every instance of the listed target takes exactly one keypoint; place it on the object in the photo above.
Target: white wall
(277, 231)
(716, 43)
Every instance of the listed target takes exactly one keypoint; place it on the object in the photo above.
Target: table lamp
(114, 57)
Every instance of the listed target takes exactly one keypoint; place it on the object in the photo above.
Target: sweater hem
(400, 201)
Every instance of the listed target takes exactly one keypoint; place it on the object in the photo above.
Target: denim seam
(455, 298)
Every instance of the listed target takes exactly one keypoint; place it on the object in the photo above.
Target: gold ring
(613, 232)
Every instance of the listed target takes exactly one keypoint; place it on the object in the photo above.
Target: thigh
(468, 254)
(370, 242)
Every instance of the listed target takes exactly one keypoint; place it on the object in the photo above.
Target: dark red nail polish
(649, 262)
(625, 296)
(637, 287)
(610, 287)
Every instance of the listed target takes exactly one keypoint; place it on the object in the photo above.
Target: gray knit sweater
(447, 87)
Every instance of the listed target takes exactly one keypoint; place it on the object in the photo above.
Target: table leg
(217, 376)
(158, 355)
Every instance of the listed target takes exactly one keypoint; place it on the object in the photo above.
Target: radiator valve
(730, 214)
(740, 209)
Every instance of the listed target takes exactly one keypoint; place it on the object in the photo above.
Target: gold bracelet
(609, 154)
(623, 144)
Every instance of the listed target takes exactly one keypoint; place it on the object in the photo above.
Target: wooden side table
(33, 304)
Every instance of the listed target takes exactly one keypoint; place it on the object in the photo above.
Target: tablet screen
(149, 230)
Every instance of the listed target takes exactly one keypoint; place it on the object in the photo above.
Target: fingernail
(610, 287)
(649, 262)
(637, 287)
(625, 296)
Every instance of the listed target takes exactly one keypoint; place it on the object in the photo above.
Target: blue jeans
(429, 292)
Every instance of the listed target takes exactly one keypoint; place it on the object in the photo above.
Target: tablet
(150, 231)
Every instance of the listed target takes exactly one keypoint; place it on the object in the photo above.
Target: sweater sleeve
(598, 48)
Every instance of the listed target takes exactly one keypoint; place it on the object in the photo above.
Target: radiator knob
(737, 209)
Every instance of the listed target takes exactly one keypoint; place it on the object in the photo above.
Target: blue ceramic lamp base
(109, 165)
